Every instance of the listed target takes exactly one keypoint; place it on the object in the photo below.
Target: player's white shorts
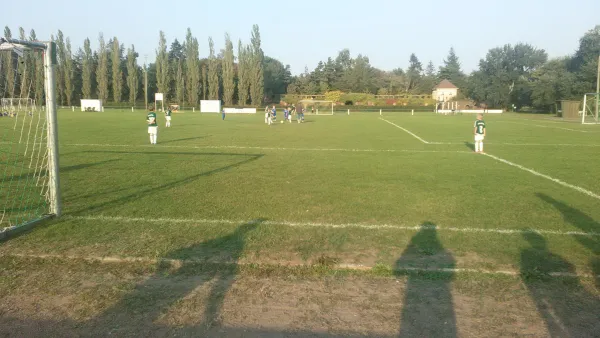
(152, 130)
(478, 137)
(168, 118)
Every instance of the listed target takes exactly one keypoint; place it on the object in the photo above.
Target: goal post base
(15, 230)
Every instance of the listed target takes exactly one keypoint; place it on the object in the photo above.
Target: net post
(583, 112)
(598, 89)
(54, 183)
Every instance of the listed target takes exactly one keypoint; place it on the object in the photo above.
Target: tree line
(511, 75)
(113, 73)
(520, 75)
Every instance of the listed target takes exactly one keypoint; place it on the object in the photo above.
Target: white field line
(329, 225)
(358, 267)
(555, 180)
(543, 126)
(406, 130)
(267, 148)
(320, 149)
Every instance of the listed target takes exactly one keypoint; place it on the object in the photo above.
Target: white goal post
(317, 107)
(591, 106)
(30, 188)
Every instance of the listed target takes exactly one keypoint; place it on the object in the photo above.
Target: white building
(444, 91)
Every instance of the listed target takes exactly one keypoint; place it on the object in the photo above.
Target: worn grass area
(333, 191)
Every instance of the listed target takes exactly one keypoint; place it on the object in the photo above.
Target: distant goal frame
(590, 109)
(308, 102)
(53, 195)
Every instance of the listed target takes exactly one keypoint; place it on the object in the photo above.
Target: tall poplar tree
(117, 73)
(213, 72)
(102, 70)
(132, 74)
(192, 74)
(162, 65)
(228, 72)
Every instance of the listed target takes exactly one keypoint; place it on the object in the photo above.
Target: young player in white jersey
(290, 112)
(152, 126)
(479, 131)
(168, 117)
(267, 114)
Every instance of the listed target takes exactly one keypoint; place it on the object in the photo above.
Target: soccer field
(360, 192)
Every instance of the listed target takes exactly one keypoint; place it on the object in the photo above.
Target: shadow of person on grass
(568, 309)
(150, 309)
(242, 159)
(427, 310)
(586, 224)
(470, 145)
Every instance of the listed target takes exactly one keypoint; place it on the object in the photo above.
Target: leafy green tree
(133, 82)
(228, 72)
(102, 70)
(552, 82)
(257, 82)
(428, 82)
(585, 62)
(277, 77)
(504, 76)
(359, 78)
(162, 65)
(192, 68)
(213, 72)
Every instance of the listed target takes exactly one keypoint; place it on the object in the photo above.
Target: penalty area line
(555, 180)
(327, 225)
(406, 130)
(267, 148)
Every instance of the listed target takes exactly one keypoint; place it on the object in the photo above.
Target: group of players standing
(271, 114)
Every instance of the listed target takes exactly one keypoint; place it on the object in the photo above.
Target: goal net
(317, 107)
(591, 105)
(29, 181)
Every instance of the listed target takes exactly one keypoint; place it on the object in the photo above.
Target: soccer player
(168, 117)
(223, 113)
(479, 131)
(152, 126)
(285, 114)
(274, 114)
(290, 114)
(267, 115)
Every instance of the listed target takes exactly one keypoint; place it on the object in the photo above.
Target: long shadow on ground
(428, 310)
(568, 309)
(153, 190)
(139, 312)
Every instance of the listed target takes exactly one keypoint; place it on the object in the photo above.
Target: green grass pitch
(306, 183)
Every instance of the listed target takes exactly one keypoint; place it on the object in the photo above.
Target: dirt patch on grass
(81, 299)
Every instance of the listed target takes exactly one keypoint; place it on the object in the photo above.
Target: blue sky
(304, 32)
